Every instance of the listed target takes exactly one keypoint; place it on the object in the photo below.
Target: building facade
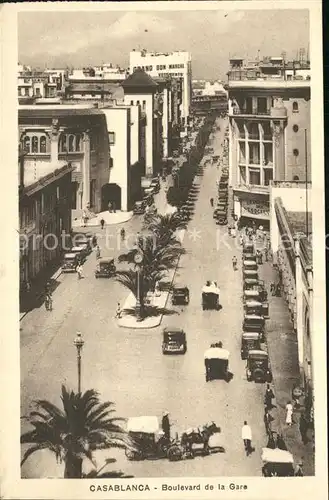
(35, 84)
(45, 219)
(269, 133)
(176, 65)
(291, 242)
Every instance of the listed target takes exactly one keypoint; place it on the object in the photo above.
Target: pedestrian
(269, 395)
(118, 313)
(280, 443)
(268, 419)
(102, 222)
(212, 202)
(98, 252)
(266, 254)
(235, 263)
(303, 427)
(260, 258)
(289, 409)
(299, 468)
(165, 424)
(272, 288)
(246, 437)
(80, 271)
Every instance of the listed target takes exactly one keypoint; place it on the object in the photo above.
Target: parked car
(155, 184)
(258, 366)
(180, 295)
(249, 341)
(105, 268)
(70, 262)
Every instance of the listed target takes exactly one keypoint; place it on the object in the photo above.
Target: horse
(199, 435)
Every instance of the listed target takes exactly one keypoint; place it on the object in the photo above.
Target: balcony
(251, 188)
(248, 112)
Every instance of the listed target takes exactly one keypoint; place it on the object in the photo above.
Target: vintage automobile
(277, 463)
(80, 252)
(84, 242)
(148, 199)
(258, 366)
(250, 273)
(223, 184)
(174, 341)
(105, 268)
(139, 207)
(249, 265)
(210, 297)
(70, 262)
(180, 295)
(253, 307)
(249, 341)
(251, 295)
(254, 323)
(155, 184)
(218, 211)
(248, 248)
(221, 218)
(249, 256)
(216, 363)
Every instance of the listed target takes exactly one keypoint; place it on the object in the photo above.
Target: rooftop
(139, 79)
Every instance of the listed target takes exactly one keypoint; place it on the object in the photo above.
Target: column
(54, 136)
(279, 149)
(230, 153)
(86, 170)
(261, 154)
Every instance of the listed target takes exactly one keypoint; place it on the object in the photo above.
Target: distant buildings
(177, 65)
(269, 130)
(208, 96)
(34, 84)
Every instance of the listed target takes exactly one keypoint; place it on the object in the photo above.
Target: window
(131, 103)
(295, 107)
(37, 92)
(144, 105)
(296, 178)
(27, 144)
(137, 103)
(268, 176)
(35, 144)
(62, 144)
(295, 152)
(19, 91)
(71, 143)
(77, 142)
(112, 138)
(295, 128)
(254, 177)
(26, 92)
(242, 175)
(92, 192)
(43, 144)
(262, 105)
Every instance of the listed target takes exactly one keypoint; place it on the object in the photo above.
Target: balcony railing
(247, 111)
(252, 188)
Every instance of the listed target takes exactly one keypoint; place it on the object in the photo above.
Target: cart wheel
(175, 453)
(133, 454)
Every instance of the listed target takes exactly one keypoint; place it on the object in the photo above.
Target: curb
(54, 277)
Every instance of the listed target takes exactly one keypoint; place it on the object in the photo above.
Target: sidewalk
(283, 351)
(34, 298)
(110, 218)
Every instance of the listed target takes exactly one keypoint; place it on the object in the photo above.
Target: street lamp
(138, 258)
(79, 342)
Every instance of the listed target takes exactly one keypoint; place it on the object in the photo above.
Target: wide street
(128, 367)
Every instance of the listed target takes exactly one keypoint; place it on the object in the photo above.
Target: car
(149, 191)
(81, 252)
(174, 341)
(139, 207)
(70, 262)
(258, 366)
(180, 295)
(155, 184)
(249, 341)
(84, 242)
(105, 268)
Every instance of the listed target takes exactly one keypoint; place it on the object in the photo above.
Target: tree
(177, 196)
(74, 432)
(130, 280)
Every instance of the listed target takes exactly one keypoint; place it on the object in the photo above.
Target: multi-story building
(34, 84)
(105, 146)
(45, 217)
(176, 65)
(208, 96)
(291, 242)
(269, 132)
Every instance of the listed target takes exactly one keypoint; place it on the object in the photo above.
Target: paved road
(127, 366)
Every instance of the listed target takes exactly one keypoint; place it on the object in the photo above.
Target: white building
(173, 64)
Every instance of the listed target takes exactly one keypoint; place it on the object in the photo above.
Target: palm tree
(164, 227)
(74, 432)
(130, 280)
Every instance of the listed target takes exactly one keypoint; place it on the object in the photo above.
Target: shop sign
(250, 208)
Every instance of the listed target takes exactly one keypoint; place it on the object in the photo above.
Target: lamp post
(138, 260)
(79, 342)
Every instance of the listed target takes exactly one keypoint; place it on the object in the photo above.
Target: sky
(60, 39)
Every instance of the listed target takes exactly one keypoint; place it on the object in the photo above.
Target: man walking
(269, 395)
(165, 424)
(98, 252)
(268, 419)
(118, 313)
(235, 263)
(246, 437)
(80, 271)
(102, 222)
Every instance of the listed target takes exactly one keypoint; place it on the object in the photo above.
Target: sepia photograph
(169, 196)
